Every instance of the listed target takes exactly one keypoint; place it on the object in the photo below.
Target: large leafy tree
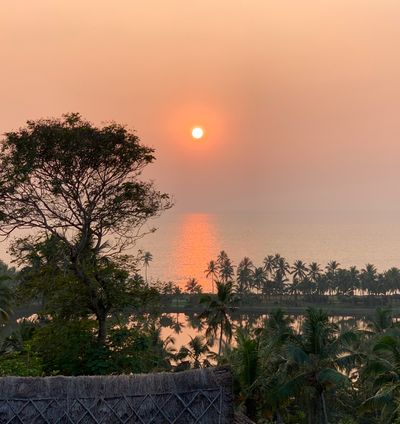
(81, 185)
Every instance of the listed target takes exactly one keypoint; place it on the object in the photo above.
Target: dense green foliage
(78, 188)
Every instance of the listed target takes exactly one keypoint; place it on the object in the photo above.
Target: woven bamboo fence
(197, 396)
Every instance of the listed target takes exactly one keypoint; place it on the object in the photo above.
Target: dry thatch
(198, 396)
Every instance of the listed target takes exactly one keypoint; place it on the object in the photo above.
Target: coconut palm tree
(259, 278)
(299, 271)
(314, 271)
(193, 287)
(226, 270)
(392, 280)
(245, 275)
(218, 311)
(282, 265)
(383, 368)
(331, 272)
(222, 257)
(317, 357)
(245, 359)
(368, 279)
(212, 270)
(269, 265)
(332, 266)
(279, 283)
(147, 257)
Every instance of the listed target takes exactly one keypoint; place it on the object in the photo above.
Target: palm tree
(331, 271)
(384, 370)
(259, 278)
(147, 257)
(368, 279)
(193, 286)
(212, 270)
(299, 272)
(332, 266)
(392, 280)
(245, 275)
(279, 283)
(282, 265)
(218, 312)
(316, 357)
(269, 265)
(226, 270)
(273, 338)
(245, 358)
(314, 271)
(222, 257)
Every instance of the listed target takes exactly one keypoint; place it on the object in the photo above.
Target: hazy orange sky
(300, 100)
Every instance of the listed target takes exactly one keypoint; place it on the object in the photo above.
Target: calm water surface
(184, 243)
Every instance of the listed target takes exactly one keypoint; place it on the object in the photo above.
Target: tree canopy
(80, 185)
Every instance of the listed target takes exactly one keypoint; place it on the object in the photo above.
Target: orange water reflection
(196, 244)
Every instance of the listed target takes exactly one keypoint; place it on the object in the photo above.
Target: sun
(197, 133)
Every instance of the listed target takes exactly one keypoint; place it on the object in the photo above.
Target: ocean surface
(185, 242)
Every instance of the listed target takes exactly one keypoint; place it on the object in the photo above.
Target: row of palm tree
(318, 374)
(277, 277)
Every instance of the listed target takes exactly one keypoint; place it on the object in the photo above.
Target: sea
(184, 243)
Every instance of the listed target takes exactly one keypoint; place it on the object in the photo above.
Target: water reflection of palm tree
(218, 312)
(177, 326)
(196, 322)
(212, 270)
(195, 351)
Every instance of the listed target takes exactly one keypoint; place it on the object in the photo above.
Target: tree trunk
(102, 328)
(220, 341)
(251, 408)
(318, 413)
(325, 414)
(279, 419)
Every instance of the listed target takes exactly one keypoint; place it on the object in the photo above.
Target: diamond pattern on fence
(196, 407)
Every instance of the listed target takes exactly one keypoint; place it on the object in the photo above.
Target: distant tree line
(276, 277)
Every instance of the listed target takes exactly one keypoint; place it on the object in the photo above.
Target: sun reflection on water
(196, 244)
